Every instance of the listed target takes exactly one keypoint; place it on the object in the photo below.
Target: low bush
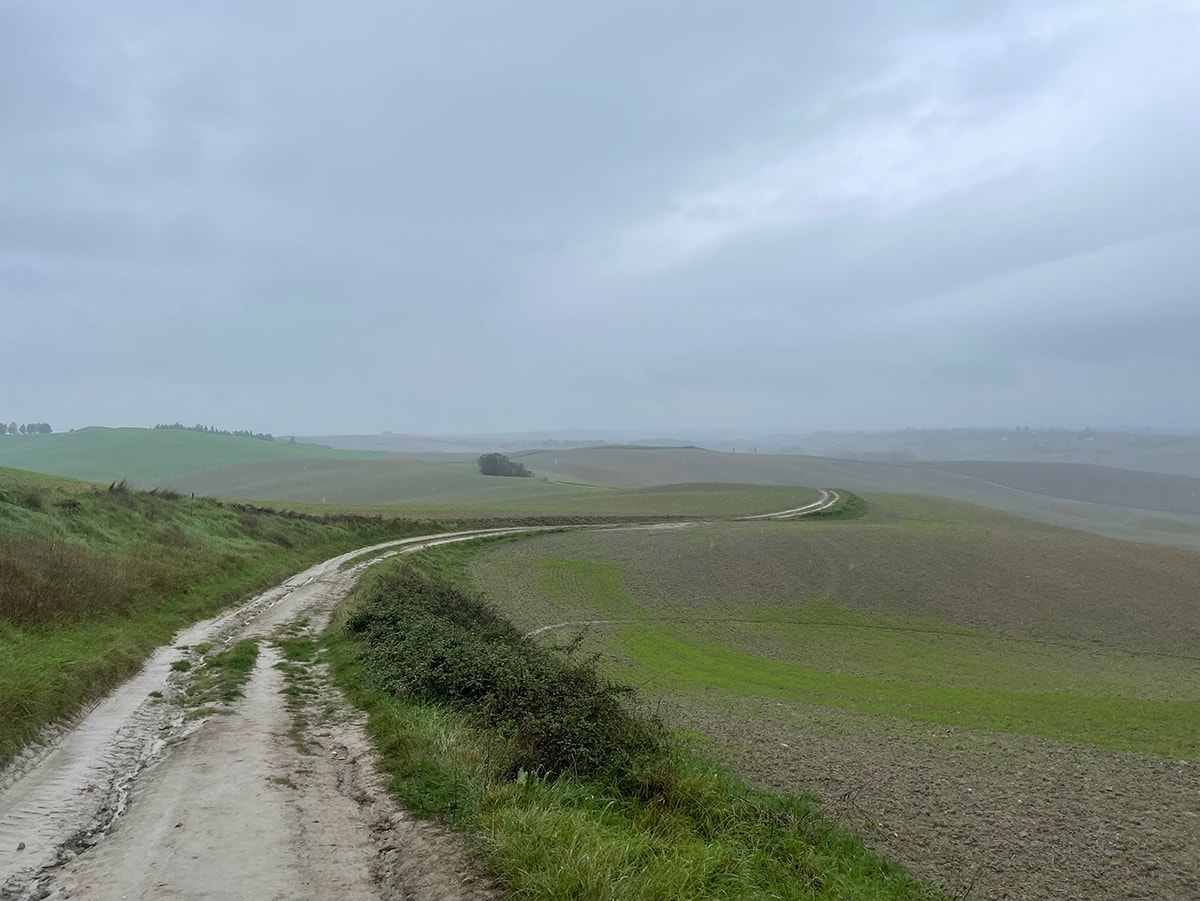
(425, 639)
(568, 792)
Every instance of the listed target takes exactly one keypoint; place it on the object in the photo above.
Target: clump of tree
(213, 430)
(500, 465)
(28, 428)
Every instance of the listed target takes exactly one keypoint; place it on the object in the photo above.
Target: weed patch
(300, 653)
(219, 680)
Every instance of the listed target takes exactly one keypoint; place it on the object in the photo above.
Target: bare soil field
(1001, 816)
(930, 606)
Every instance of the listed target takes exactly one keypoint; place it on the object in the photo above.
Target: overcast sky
(436, 216)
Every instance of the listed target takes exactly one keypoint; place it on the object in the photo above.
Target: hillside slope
(104, 455)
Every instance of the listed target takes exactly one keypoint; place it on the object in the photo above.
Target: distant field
(589, 481)
(1013, 606)
(1085, 482)
(1173, 454)
(423, 489)
(145, 455)
(649, 466)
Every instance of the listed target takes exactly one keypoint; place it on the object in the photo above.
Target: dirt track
(137, 800)
(229, 806)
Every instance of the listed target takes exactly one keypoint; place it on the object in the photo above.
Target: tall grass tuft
(44, 579)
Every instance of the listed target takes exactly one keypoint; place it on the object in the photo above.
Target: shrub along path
(572, 794)
(222, 815)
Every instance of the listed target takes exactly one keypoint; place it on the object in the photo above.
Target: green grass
(848, 506)
(661, 823)
(92, 580)
(220, 677)
(300, 652)
(704, 621)
(146, 455)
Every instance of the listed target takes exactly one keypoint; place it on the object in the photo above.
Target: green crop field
(961, 621)
(918, 557)
(426, 489)
(145, 455)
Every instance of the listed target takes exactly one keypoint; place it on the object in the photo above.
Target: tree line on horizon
(29, 428)
(213, 430)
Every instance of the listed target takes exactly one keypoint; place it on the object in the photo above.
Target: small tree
(500, 465)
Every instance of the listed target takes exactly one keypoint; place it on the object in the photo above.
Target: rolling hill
(1127, 504)
(141, 455)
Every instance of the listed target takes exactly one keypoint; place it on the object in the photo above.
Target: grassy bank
(92, 579)
(569, 791)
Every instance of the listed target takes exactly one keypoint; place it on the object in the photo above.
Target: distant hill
(141, 455)
(1086, 482)
(1138, 450)
(1174, 454)
(1072, 496)
(1141, 506)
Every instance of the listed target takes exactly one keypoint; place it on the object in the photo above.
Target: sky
(449, 217)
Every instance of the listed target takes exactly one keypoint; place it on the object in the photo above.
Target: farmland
(601, 481)
(940, 674)
(145, 455)
(937, 672)
(1155, 508)
(426, 489)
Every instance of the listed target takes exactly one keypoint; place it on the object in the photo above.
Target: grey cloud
(309, 218)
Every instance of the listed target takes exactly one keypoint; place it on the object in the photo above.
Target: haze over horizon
(477, 218)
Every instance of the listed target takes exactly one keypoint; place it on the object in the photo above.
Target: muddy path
(143, 798)
(139, 800)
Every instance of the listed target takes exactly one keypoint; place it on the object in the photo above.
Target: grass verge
(569, 791)
(93, 579)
